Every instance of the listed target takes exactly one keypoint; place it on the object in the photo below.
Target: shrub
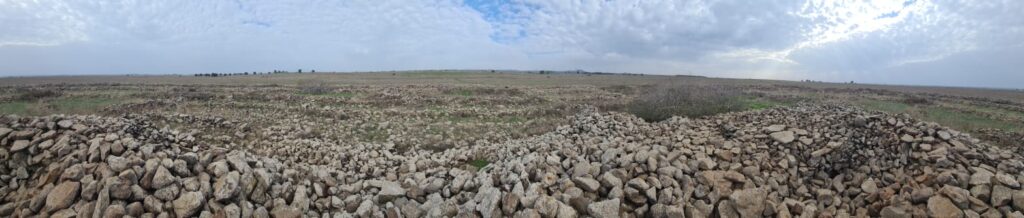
(35, 94)
(916, 100)
(663, 101)
(314, 89)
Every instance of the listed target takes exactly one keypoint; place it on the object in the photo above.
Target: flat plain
(485, 144)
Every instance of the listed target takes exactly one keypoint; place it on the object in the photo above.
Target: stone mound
(807, 161)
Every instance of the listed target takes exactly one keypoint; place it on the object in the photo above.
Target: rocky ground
(804, 161)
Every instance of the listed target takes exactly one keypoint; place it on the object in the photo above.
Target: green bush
(690, 100)
(35, 94)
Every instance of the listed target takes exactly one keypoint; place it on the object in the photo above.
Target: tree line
(247, 73)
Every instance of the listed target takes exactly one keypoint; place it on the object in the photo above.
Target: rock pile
(803, 161)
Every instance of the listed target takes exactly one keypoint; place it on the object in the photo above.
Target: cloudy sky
(920, 42)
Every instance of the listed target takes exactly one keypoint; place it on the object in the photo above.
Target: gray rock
(62, 196)
(1007, 180)
(388, 189)
(285, 211)
(921, 195)
(19, 145)
(1018, 200)
(226, 186)
(939, 206)
(604, 209)
(869, 186)
(894, 212)
(587, 184)
(162, 178)
(783, 136)
(981, 177)
(1001, 195)
(749, 202)
(487, 199)
(188, 204)
(546, 206)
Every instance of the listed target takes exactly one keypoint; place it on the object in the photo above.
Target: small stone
(906, 138)
(921, 195)
(388, 189)
(162, 178)
(546, 206)
(1007, 180)
(604, 209)
(608, 180)
(587, 184)
(944, 135)
(1018, 200)
(285, 211)
(115, 211)
(488, 198)
(894, 212)
(218, 168)
(65, 124)
(62, 196)
(783, 136)
(510, 203)
(869, 186)
(19, 145)
(939, 206)
(188, 204)
(981, 177)
(1001, 195)
(775, 128)
(226, 186)
(749, 202)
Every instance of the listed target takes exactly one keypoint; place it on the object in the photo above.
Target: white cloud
(36, 23)
(822, 40)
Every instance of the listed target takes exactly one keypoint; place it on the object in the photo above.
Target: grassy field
(965, 120)
(455, 108)
(59, 105)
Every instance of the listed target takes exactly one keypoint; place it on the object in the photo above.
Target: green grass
(478, 163)
(885, 106)
(81, 105)
(947, 117)
(760, 103)
(967, 121)
(463, 93)
(1000, 112)
(20, 108)
(700, 107)
(331, 94)
(440, 74)
(61, 105)
(503, 119)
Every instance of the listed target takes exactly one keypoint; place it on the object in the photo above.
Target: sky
(916, 42)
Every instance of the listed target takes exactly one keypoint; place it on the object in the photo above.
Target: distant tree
(312, 71)
(492, 71)
(300, 71)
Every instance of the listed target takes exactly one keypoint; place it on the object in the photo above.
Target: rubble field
(800, 161)
(500, 145)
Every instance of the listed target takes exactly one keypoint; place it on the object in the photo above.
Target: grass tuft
(478, 163)
(693, 100)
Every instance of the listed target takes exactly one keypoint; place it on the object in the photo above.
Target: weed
(667, 100)
(948, 117)
(18, 107)
(478, 163)
(314, 88)
(25, 94)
